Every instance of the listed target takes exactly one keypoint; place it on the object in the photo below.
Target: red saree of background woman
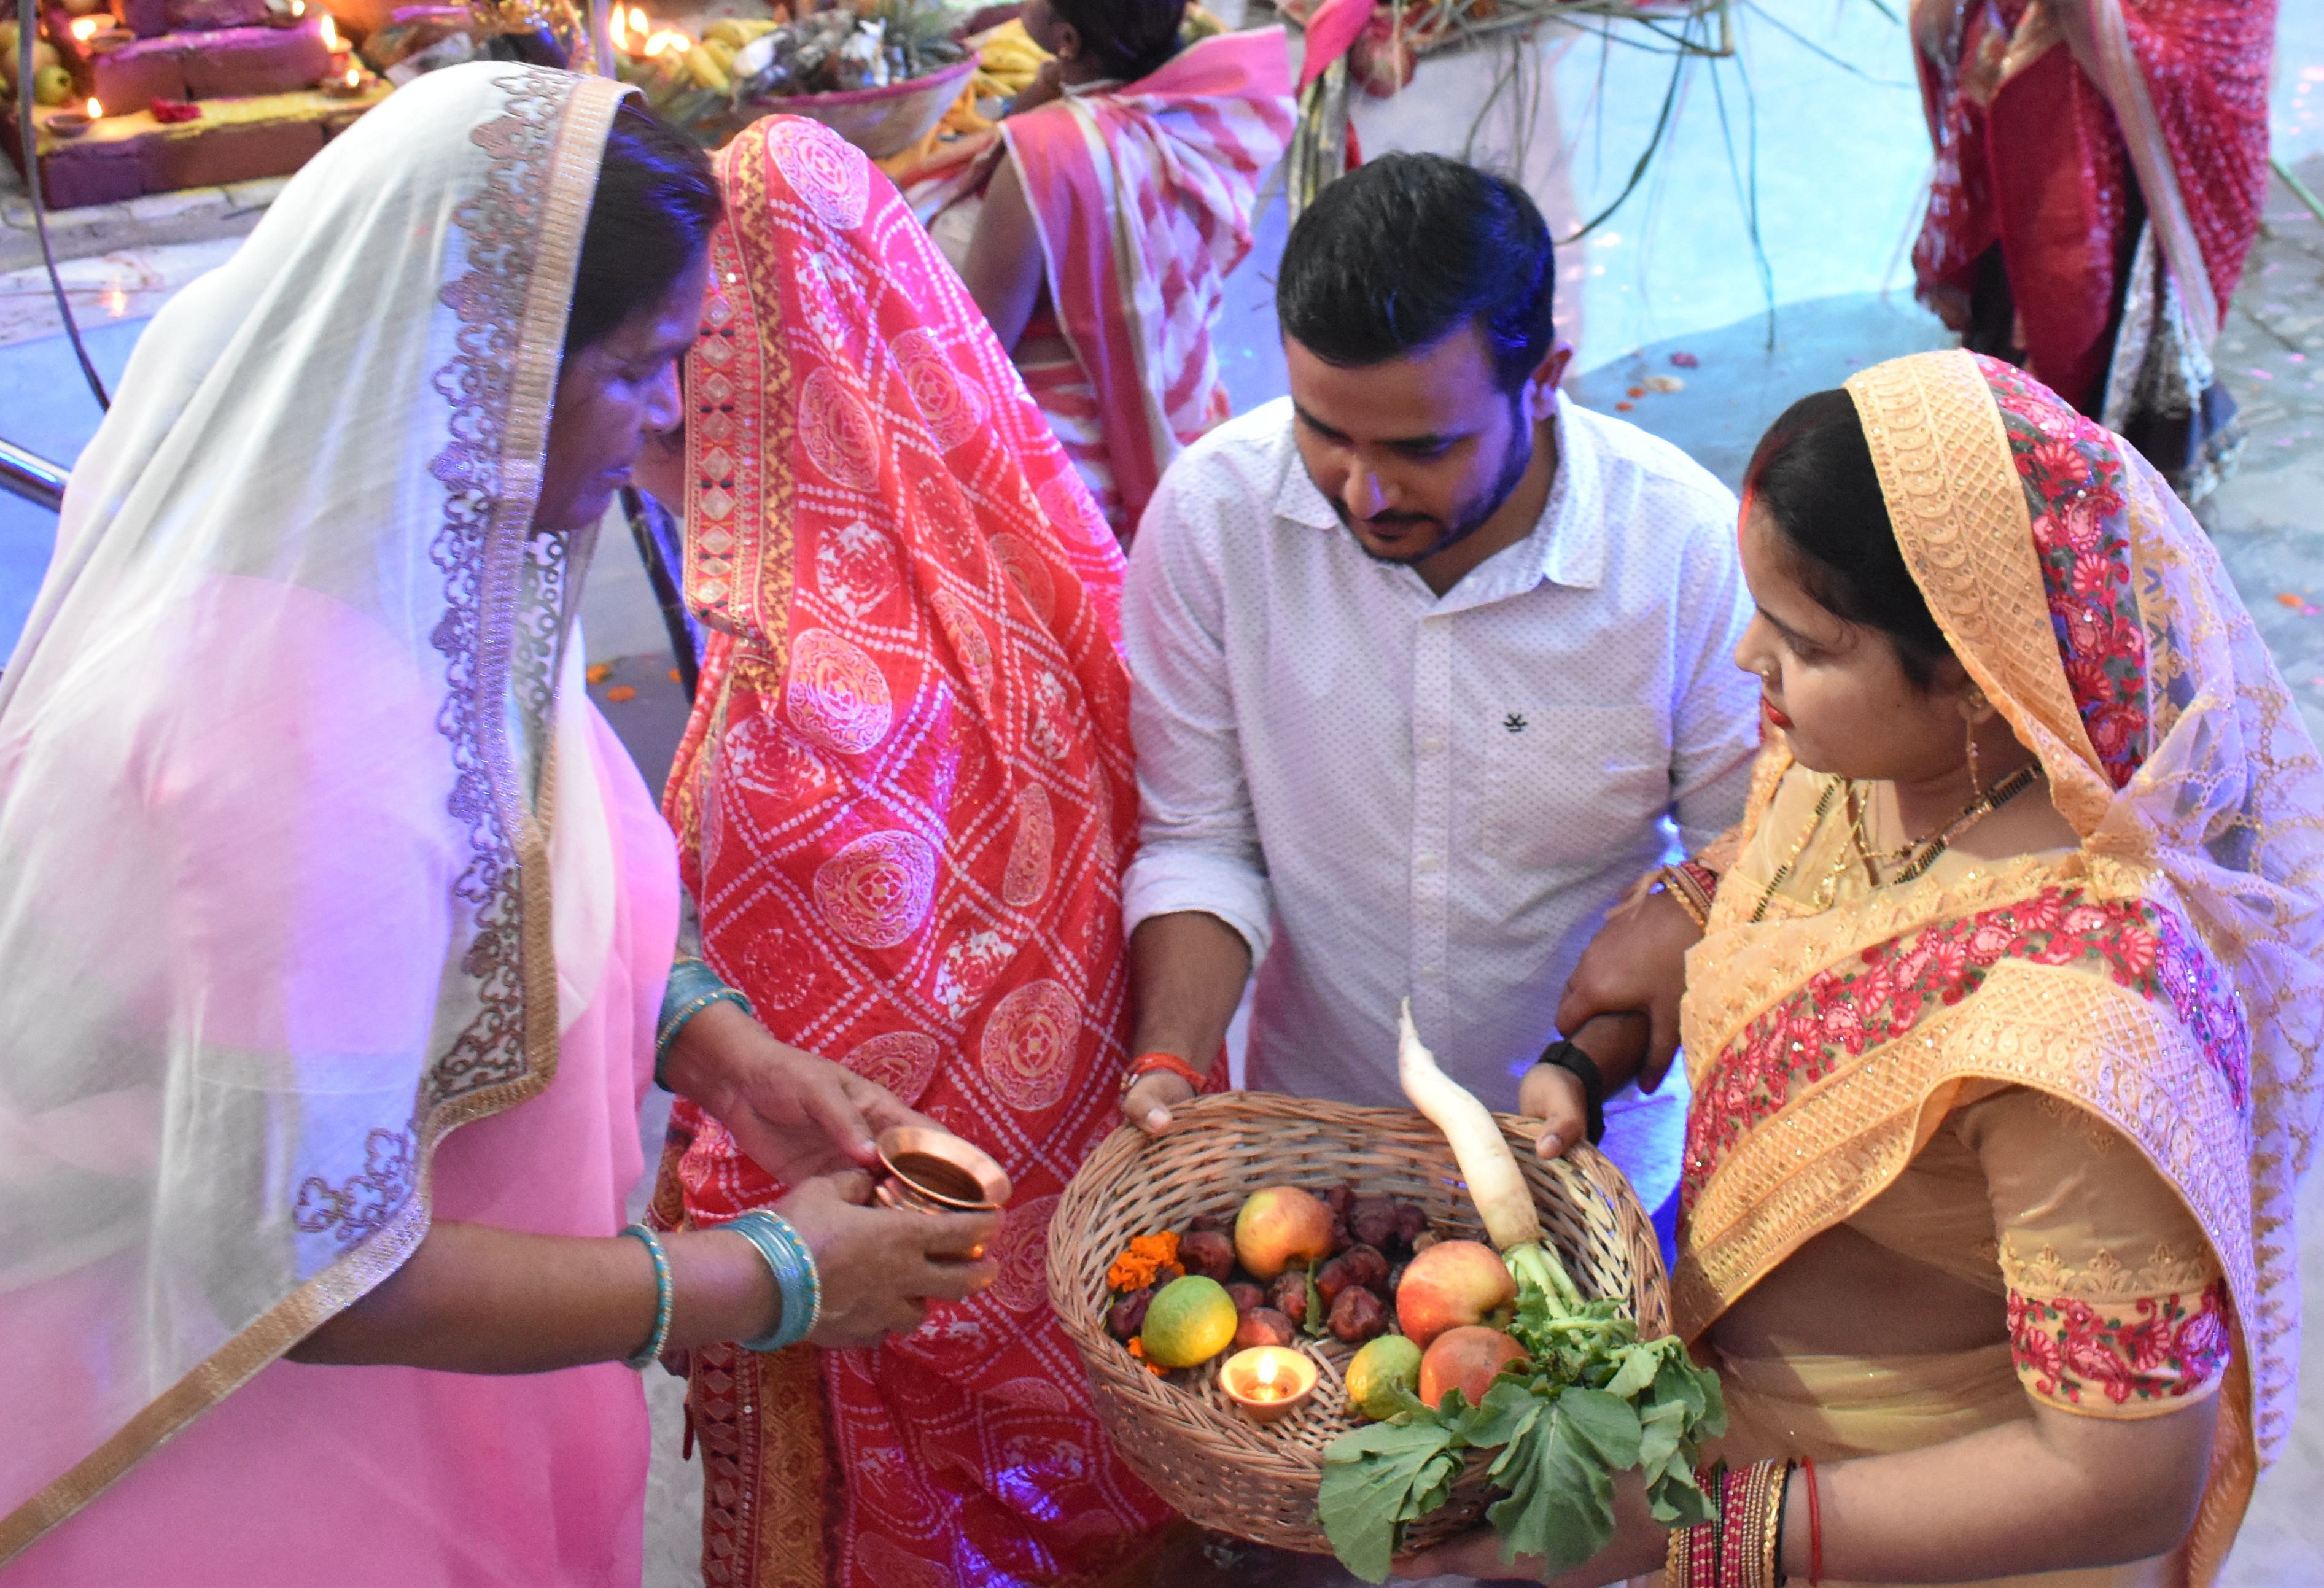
(2100, 169)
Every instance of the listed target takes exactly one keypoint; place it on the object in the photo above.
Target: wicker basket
(881, 121)
(1260, 1481)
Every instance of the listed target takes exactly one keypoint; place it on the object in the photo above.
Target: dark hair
(1398, 254)
(1129, 37)
(1813, 474)
(656, 202)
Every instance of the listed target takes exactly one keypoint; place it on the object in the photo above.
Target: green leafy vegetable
(1560, 1475)
(1380, 1477)
(1592, 1400)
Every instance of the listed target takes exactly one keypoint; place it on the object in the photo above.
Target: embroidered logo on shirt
(1514, 723)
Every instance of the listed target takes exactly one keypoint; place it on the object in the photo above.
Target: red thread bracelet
(1155, 1062)
(1815, 1527)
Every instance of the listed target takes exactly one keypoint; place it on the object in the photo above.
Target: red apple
(1451, 1283)
(1282, 1227)
(1467, 1359)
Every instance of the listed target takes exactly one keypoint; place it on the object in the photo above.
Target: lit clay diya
(1268, 1382)
(70, 124)
(934, 1171)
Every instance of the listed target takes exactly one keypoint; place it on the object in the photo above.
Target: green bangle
(674, 1022)
(798, 1283)
(665, 1293)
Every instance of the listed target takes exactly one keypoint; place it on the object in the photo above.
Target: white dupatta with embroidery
(274, 855)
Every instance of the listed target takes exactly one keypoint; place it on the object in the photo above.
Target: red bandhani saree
(903, 804)
(2100, 168)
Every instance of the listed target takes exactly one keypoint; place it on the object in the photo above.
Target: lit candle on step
(72, 123)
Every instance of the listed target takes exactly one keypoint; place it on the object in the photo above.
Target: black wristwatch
(1584, 1069)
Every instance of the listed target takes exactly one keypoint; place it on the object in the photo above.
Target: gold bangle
(1771, 1535)
(1682, 886)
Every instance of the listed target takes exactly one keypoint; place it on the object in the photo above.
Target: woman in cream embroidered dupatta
(1987, 1197)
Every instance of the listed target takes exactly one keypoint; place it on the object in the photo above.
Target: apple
(1451, 1283)
(1282, 1227)
(1468, 1359)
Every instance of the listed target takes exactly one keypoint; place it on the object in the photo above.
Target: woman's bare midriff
(1845, 1295)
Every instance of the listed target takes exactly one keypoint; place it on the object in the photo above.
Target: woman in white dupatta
(312, 849)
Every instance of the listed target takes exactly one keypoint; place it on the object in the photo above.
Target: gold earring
(1976, 785)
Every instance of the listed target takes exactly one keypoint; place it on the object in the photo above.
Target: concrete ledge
(197, 215)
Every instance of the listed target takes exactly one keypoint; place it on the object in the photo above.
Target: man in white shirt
(1422, 656)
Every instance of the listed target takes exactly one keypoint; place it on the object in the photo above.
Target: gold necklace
(1975, 811)
(1823, 808)
(1919, 855)
(1873, 858)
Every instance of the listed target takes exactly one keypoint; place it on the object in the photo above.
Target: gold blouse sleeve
(2116, 1304)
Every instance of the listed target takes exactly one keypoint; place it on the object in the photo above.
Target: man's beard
(1515, 461)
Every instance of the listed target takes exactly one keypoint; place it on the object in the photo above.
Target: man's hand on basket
(1147, 1104)
(1554, 1095)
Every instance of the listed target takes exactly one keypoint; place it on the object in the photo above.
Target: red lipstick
(1775, 716)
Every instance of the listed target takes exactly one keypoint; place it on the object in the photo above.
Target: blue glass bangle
(692, 987)
(792, 1264)
(665, 1292)
(689, 978)
(676, 1024)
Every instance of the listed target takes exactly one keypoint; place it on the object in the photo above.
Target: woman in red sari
(902, 805)
(2100, 168)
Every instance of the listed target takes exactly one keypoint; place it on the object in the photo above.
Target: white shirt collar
(1568, 543)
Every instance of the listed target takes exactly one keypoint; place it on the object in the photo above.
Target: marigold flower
(1146, 1257)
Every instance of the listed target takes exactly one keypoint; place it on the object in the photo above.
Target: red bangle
(1815, 1527)
(1146, 1064)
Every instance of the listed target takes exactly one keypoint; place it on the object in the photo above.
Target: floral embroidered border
(502, 223)
(2081, 533)
(2139, 1355)
(1884, 992)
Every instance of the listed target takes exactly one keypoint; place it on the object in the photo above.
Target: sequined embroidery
(2088, 1355)
(1888, 988)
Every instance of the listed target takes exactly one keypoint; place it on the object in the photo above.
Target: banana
(721, 52)
(735, 31)
(706, 70)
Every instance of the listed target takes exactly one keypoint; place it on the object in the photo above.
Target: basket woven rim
(1260, 1481)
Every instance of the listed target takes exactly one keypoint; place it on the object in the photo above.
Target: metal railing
(31, 477)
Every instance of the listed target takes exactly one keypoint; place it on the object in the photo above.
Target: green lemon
(1192, 1320)
(1380, 1369)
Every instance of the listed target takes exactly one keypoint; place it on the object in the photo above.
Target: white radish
(1495, 1183)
